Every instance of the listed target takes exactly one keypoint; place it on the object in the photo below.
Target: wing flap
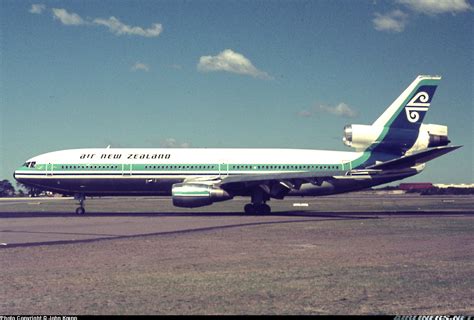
(281, 177)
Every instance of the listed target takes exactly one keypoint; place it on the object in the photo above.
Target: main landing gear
(257, 208)
(82, 198)
(258, 205)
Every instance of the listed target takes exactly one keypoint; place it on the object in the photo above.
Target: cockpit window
(30, 164)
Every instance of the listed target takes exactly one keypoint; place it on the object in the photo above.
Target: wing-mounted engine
(367, 137)
(191, 195)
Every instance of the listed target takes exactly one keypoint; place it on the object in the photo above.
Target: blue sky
(286, 74)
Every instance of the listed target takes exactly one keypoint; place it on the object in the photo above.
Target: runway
(359, 254)
(42, 221)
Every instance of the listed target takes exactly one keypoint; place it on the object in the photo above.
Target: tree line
(8, 190)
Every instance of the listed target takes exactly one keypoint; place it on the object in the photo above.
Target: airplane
(396, 146)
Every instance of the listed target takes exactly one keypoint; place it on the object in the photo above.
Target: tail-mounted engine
(191, 195)
(362, 137)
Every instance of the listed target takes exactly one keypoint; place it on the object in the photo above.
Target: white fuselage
(120, 171)
(198, 156)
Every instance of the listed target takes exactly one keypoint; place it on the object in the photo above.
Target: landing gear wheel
(262, 208)
(249, 208)
(265, 208)
(82, 199)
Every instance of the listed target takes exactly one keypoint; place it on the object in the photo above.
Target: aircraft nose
(15, 175)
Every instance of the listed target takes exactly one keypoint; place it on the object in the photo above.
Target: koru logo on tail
(418, 103)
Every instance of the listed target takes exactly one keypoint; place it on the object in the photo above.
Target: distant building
(415, 186)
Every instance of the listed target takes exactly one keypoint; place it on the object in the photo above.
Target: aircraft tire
(249, 208)
(261, 208)
(265, 208)
(80, 211)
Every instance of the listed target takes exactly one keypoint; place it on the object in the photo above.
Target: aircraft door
(126, 169)
(49, 169)
(346, 165)
(223, 170)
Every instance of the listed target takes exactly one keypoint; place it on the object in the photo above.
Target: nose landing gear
(82, 198)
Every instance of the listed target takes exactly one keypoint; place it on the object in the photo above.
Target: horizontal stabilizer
(414, 159)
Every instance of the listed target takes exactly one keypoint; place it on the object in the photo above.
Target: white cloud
(140, 66)
(37, 8)
(173, 143)
(434, 7)
(305, 114)
(341, 110)
(119, 28)
(393, 21)
(230, 61)
(66, 18)
(113, 24)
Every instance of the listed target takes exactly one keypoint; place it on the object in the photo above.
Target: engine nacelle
(191, 195)
(362, 137)
(431, 135)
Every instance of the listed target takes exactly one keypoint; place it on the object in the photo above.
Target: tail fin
(409, 109)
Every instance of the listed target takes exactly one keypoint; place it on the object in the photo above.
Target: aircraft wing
(268, 177)
(277, 184)
(414, 159)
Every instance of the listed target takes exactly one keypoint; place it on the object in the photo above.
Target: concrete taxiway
(360, 253)
(39, 221)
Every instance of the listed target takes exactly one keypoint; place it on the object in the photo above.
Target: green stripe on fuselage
(83, 168)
